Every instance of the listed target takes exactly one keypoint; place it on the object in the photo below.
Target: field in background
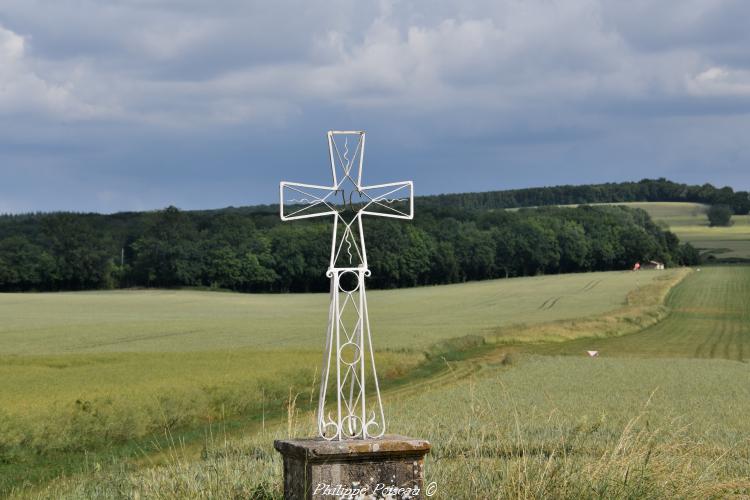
(690, 223)
(61, 348)
(181, 321)
(709, 318)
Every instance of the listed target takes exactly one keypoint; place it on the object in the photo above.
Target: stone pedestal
(355, 468)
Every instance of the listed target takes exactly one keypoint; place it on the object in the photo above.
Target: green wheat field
(179, 394)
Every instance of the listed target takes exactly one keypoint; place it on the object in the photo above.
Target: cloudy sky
(128, 105)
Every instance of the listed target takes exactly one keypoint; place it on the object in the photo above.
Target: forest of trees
(645, 190)
(250, 249)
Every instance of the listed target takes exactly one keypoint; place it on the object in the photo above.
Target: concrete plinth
(355, 468)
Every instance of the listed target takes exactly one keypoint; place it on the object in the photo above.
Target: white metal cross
(395, 199)
(348, 335)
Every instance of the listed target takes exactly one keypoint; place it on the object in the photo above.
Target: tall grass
(545, 428)
(251, 385)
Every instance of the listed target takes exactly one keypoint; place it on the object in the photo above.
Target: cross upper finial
(347, 199)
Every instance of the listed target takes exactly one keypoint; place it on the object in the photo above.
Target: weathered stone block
(355, 468)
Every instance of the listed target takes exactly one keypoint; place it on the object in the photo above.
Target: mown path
(709, 318)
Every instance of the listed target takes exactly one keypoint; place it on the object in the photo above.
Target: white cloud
(720, 82)
(712, 74)
(22, 90)
(486, 58)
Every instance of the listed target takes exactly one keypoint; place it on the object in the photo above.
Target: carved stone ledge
(355, 468)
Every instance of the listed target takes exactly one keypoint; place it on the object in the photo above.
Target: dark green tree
(25, 266)
(538, 249)
(689, 255)
(719, 215)
(168, 253)
(575, 247)
(84, 258)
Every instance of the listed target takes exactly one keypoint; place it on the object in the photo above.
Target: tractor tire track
(719, 340)
(702, 347)
(591, 285)
(544, 304)
(549, 303)
(552, 304)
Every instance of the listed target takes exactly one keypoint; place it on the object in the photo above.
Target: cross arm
(303, 201)
(394, 200)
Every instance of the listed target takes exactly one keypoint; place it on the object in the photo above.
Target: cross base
(354, 468)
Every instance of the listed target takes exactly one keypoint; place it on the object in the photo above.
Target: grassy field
(88, 371)
(709, 318)
(690, 223)
(180, 321)
(539, 427)
(60, 348)
(648, 419)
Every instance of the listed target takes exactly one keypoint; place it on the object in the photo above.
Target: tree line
(251, 250)
(622, 192)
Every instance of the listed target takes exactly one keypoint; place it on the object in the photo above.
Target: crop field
(88, 370)
(537, 427)
(661, 414)
(690, 223)
(709, 318)
(181, 321)
(66, 346)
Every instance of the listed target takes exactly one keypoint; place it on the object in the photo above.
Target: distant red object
(637, 266)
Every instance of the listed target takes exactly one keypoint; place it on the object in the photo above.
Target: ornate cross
(348, 348)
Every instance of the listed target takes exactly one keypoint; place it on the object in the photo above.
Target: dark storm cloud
(132, 105)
